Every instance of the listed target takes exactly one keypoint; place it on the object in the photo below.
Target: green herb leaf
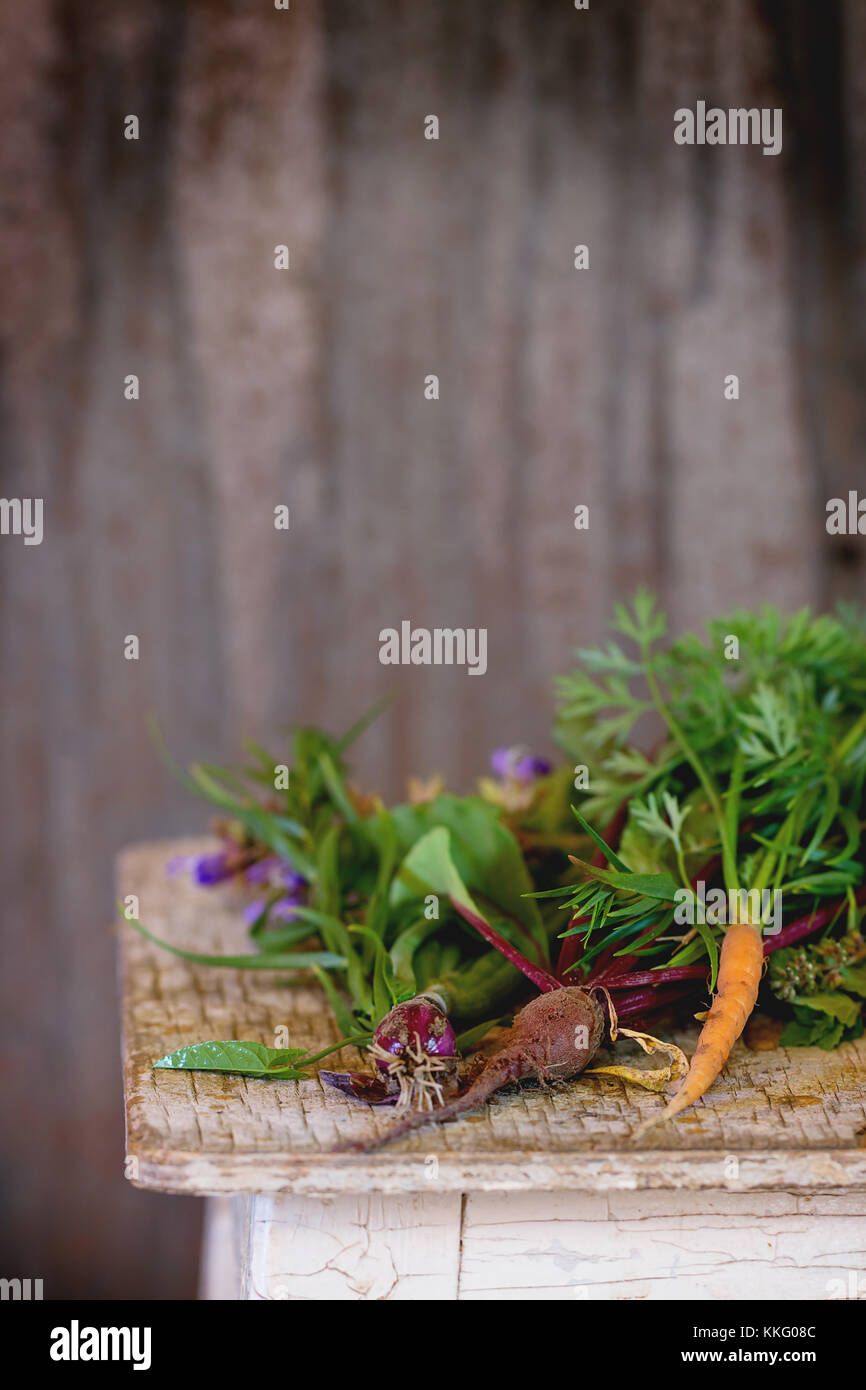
(610, 854)
(837, 1005)
(244, 1058)
(819, 1031)
(272, 960)
(660, 886)
(854, 979)
(486, 858)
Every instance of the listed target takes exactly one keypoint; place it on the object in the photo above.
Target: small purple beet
(415, 1052)
(420, 1024)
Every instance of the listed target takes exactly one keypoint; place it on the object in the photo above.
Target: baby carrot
(740, 963)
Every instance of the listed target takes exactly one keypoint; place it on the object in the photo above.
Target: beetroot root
(553, 1038)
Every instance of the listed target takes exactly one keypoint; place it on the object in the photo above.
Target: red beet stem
(805, 926)
(647, 1001)
(635, 978)
(541, 978)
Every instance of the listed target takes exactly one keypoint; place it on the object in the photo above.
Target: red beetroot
(554, 1037)
(415, 1046)
(420, 1022)
(415, 1050)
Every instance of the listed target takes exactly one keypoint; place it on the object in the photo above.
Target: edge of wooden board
(804, 1170)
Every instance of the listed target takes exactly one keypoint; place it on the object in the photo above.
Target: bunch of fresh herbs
(757, 782)
(737, 758)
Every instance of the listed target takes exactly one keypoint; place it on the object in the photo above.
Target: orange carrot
(740, 963)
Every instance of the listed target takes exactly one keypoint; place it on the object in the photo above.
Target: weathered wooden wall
(259, 387)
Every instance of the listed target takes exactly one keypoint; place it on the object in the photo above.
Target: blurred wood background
(305, 387)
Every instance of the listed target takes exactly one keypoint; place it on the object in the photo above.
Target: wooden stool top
(791, 1119)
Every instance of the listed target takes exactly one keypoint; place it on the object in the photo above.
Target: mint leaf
(243, 1058)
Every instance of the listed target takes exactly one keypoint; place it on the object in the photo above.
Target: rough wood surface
(792, 1119)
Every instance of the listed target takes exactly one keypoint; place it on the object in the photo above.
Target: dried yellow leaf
(651, 1078)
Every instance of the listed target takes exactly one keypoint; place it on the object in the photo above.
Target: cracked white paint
(353, 1248)
(546, 1245)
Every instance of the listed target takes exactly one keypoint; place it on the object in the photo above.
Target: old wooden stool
(759, 1193)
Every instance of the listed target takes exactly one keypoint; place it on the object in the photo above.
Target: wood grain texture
(408, 257)
(792, 1118)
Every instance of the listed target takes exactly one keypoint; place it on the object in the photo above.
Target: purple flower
(285, 907)
(501, 761)
(276, 872)
(518, 764)
(528, 768)
(293, 881)
(211, 868)
(261, 871)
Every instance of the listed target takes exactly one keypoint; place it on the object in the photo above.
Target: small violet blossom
(204, 869)
(212, 868)
(284, 909)
(518, 764)
(181, 864)
(273, 872)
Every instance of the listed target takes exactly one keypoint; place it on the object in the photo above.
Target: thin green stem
(855, 733)
(728, 858)
(358, 1040)
(681, 865)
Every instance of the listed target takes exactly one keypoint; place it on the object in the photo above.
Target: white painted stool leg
(348, 1248)
(223, 1236)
